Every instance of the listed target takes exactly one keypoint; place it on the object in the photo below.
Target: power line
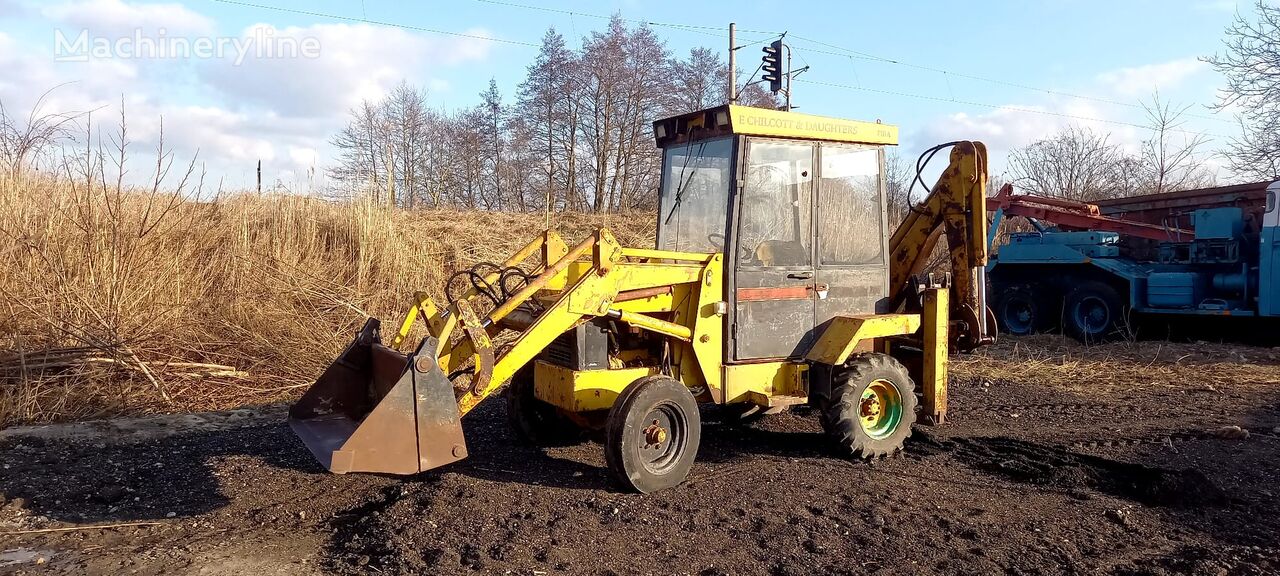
(850, 53)
(375, 22)
(719, 30)
(997, 107)
(846, 52)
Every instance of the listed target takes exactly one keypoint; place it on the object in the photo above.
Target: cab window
(694, 203)
(775, 205)
(850, 216)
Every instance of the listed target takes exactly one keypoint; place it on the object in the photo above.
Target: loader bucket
(376, 409)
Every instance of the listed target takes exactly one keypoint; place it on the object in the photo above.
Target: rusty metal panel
(799, 292)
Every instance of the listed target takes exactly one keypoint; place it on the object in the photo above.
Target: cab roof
(732, 119)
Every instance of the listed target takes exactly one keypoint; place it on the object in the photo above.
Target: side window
(774, 222)
(849, 207)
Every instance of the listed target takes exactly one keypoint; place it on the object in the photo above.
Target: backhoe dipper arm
(956, 207)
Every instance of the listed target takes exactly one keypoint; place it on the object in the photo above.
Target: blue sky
(1042, 65)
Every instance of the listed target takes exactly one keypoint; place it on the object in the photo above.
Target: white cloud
(279, 110)
(1143, 80)
(1013, 126)
(11, 9)
(356, 62)
(117, 18)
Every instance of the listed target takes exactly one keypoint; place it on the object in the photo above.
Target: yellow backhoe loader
(774, 282)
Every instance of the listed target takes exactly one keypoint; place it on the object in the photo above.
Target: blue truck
(1219, 256)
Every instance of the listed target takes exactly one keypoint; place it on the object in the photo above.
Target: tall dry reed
(120, 300)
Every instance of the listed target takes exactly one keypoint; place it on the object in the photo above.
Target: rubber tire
(533, 421)
(839, 414)
(627, 419)
(1029, 295)
(1097, 291)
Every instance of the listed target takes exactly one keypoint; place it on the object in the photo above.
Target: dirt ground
(1056, 460)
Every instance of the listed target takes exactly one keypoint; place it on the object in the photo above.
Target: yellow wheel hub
(880, 409)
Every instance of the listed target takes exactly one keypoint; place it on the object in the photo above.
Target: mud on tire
(871, 408)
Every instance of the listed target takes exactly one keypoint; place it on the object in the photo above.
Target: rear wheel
(1020, 309)
(871, 408)
(534, 421)
(1092, 312)
(652, 434)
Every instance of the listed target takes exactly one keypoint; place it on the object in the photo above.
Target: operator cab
(795, 202)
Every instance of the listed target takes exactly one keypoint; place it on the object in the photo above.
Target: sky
(273, 80)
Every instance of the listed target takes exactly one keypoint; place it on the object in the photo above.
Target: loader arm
(956, 209)
(381, 409)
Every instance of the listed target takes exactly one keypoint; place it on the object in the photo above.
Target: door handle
(800, 275)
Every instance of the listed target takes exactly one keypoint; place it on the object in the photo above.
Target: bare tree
(361, 149)
(756, 96)
(620, 70)
(897, 176)
(492, 112)
(547, 110)
(1169, 157)
(1251, 65)
(578, 136)
(1076, 163)
(404, 113)
(699, 81)
(23, 142)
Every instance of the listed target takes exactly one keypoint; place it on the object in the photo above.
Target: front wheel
(652, 434)
(871, 408)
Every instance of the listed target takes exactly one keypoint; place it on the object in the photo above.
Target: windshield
(694, 205)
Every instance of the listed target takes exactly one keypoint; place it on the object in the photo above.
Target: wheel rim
(880, 409)
(1019, 316)
(662, 437)
(1092, 315)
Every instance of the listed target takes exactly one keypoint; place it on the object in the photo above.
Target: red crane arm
(1072, 215)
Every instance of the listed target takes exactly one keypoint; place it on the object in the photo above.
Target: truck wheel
(652, 434)
(871, 408)
(1091, 312)
(1020, 309)
(534, 421)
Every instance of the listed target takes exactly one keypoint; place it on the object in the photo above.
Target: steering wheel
(716, 239)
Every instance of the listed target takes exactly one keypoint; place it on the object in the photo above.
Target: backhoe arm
(956, 208)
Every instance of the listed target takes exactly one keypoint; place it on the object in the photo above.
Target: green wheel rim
(880, 409)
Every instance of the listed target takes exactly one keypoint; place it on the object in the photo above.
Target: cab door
(1269, 256)
(850, 222)
(773, 274)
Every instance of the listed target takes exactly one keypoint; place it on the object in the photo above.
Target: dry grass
(118, 301)
(1059, 362)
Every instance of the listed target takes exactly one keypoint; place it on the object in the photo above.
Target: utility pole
(733, 65)
(788, 90)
